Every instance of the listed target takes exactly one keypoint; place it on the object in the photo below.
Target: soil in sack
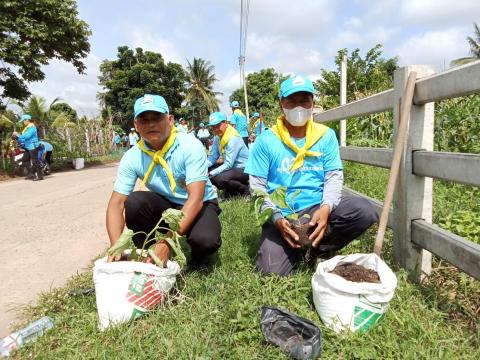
(355, 273)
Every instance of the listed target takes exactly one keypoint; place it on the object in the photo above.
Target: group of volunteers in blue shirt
(36, 152)
(296, 153)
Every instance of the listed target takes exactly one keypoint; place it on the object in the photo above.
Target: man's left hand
(320, 221)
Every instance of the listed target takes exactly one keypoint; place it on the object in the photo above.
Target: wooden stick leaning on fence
(397, 156)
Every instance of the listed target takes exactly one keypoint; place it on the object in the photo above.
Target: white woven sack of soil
(127, 289)
(344, 304)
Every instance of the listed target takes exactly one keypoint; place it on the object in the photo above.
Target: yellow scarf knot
(158, 158)
(314, 133)
(229, 133)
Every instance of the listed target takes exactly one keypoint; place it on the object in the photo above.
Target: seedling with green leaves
(279, 199)
(170, 235)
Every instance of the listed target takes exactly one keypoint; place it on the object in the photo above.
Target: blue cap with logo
(294, 84)
(234, 104)
(216, 118)
(25, 117)
(255, 115)
(150, 102)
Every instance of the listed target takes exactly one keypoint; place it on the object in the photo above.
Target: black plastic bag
(298, 337)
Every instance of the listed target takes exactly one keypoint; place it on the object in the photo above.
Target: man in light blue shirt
(179, 179)
(132, 138)
(29, 138)
(203, 135)
(48, 150)
(227, 143)
(303, 157)
(239, 121)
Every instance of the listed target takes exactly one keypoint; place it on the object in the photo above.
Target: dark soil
(303, 231)
(356, 273)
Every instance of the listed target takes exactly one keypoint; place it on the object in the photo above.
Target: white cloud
(62, 80)
(434, 47)
(152, 41)
(298, 21)
(439, 12)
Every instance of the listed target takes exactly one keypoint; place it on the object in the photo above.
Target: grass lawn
(218, 314)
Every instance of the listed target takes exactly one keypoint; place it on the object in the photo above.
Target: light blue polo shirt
(239, 122)
(235, 155)
(271, 159)
(187, 160)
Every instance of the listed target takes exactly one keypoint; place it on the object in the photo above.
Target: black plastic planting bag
(298, 337)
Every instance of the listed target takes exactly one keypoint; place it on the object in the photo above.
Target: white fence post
(343, 99)
(413, 194)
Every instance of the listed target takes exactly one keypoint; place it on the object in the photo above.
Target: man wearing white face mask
(300, 154)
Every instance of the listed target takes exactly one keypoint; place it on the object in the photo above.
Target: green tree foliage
(33, 32)
(365, 76)
(457, 124)
(262, 90)
(135, 73)
(474, 43)
(200, 96)
(62, 107)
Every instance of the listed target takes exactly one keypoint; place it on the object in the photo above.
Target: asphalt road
(49, 231)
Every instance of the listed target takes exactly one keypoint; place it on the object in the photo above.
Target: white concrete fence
(415, 237)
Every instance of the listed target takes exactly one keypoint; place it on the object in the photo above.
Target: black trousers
(30, 159)
(233, 182)
(351, 218)
(48, 157)
(143, 209)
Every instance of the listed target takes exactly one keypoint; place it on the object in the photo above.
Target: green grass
(218, 315)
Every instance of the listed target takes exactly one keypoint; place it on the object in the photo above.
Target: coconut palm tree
(200, 80)
(474, 43)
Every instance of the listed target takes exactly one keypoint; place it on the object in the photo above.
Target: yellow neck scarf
(157, 158)
(238, 111)
(229, 133)
(314, 133)
(26, 127)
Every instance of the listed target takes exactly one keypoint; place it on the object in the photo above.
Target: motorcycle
(21, 168)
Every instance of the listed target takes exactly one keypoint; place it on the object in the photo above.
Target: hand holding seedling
(320, 221)
(290, 236)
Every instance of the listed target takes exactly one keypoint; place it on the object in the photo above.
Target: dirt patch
(303, 231)
(356, 273)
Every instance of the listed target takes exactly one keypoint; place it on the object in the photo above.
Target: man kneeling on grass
(228, 144)
(173, 166)
(304, 157)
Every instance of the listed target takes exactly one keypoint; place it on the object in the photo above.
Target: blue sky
(299, 36)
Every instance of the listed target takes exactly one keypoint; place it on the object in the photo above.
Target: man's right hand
(290, 236)
(113, 258)
(162, 250)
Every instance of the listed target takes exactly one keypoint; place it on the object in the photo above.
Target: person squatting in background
(227, 144)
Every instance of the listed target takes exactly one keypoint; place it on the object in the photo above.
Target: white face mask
(298, 116)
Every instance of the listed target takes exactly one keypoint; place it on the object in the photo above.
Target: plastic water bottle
(24, 336)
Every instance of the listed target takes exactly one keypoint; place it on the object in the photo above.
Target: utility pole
(242, 73)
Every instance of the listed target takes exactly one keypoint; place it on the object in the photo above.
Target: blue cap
(295, 84)
(256, 115)
(150, 102)
(234, 104)
(216, 118)
(25, 117)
